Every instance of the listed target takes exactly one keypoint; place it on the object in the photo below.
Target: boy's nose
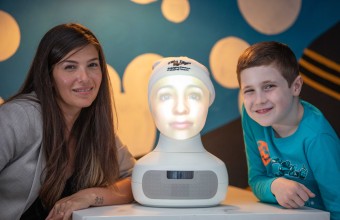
(260, 98)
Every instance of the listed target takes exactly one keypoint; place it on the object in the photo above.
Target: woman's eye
(93, 65)
(70, 67)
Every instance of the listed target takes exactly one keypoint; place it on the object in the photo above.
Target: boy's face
(179, 105)
(267, 98)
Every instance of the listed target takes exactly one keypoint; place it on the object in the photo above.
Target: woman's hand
(290, 194)
(119, 193)
(63, 208)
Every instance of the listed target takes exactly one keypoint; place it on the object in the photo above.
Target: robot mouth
(181, 125)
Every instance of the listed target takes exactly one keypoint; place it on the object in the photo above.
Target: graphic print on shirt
(264, 152)
(286, 168)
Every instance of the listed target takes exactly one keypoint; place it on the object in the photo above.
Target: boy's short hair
(270, 53)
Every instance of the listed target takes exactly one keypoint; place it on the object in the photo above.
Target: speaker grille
(202, 185)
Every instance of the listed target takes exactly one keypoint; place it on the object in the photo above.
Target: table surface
(239, 204)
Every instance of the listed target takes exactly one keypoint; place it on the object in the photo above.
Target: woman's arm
(121, 193)
(110, 196)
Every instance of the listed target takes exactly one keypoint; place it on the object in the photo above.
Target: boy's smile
(263, 111)
(267, 98)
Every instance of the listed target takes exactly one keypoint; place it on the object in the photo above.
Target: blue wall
(127, 29)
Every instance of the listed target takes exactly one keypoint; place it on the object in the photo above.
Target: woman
(58, 151)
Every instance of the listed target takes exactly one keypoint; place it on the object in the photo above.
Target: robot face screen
(179, 105)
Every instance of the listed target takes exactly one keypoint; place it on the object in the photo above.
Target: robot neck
(166, 144)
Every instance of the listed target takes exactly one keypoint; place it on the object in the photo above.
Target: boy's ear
(297, 85)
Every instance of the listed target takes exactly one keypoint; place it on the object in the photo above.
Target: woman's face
(179, 105)
(77, 78)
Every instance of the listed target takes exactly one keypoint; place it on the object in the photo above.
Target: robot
(179, 172)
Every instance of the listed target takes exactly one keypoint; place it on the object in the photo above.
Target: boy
(293, 153)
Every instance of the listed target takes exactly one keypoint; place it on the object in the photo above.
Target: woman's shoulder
(21, 111)
(25, 102)
(21, 125)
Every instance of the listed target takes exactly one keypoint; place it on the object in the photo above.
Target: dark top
(37, 211)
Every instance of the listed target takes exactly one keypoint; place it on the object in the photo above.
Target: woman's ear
(297, 85)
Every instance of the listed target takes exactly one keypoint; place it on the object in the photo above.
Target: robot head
(180, 92)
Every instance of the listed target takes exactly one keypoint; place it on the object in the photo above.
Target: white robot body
(193, 178)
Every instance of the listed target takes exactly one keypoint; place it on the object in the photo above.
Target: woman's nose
(83, 74)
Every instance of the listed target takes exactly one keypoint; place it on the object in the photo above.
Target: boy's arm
(289, 193)
(258, 180)
(324, 159)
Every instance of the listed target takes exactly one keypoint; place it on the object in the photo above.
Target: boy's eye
(248, 91)
(269, 86)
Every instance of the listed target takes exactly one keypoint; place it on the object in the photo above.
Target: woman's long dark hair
(95, 156)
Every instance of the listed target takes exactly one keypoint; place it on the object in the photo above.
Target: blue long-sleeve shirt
(310, 156)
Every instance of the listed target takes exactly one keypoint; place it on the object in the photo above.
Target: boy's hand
(290, 194)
